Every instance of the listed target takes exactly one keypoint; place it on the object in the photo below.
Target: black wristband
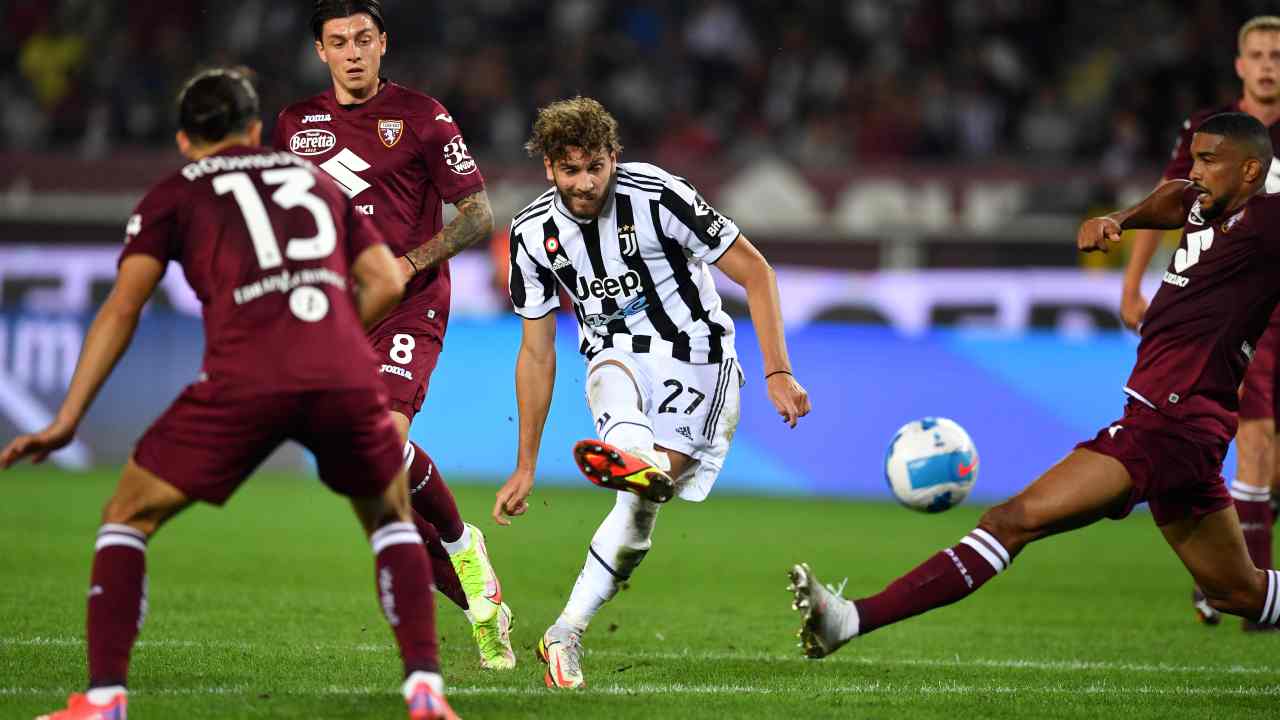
(412, 264)
(775, 372)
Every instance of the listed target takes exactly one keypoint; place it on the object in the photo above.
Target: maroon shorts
(407, 350)
(1179, 478)
(1258, 391)
(207, 443)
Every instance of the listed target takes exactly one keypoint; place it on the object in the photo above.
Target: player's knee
(132, 511)
(1011, 524)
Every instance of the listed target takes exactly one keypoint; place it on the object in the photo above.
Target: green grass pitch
(266, 609)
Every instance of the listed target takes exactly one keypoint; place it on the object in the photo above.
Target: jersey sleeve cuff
(537, 312)
(719, 251)
(472, 190)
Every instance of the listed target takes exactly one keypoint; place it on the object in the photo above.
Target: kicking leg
(625, 458)
(1213, 549)
(1081, 489)
(118, 587)
(404, 590)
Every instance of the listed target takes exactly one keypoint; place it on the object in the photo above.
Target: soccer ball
(931, 464)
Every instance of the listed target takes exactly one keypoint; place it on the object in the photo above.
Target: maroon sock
(446, 578)
(404, 588)
(1253, 505)
(117, 602)
(941, 580)
(431, 498)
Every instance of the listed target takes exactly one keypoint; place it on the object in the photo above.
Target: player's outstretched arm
(473, 224)
(744, 264)
(106, 341)
(1133, 305)
(1161, 210)
(379, 284)
(535, 379)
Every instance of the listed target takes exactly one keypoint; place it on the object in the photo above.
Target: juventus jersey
(637, 274)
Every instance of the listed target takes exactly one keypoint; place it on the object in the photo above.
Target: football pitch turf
(266, 609)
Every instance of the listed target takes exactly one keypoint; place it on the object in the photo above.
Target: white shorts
(694, 410)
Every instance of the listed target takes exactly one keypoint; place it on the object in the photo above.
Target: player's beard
(596, 207)
(1216, 207)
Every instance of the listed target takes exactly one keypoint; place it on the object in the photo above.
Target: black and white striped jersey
(637, 274)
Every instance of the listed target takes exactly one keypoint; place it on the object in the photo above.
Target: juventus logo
(627, 236)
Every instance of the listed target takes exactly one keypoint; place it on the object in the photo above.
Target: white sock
(617, 549)
(1245, 492)
(615, 405)
(462, 543)
(433, 679)
(104, 695)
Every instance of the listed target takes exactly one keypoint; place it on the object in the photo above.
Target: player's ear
(1240, 66)
(1252, 170)
(383, 39)
(546, 163)
(321, 53)
(184, 143)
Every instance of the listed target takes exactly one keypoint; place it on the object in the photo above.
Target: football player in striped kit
(632, 245)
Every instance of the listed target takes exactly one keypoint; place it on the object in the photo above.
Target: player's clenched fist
(1098, 234)
(513, 496)
(789, 397)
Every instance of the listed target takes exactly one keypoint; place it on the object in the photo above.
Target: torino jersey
(266, 241)
(1219, 291)
(398, 157)
(637, 274)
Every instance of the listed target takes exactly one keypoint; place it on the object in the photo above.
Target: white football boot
(561, 649)
(829, 620)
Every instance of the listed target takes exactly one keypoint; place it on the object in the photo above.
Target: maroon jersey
(1180, 160)
(398, 156)
(266, 241)
(1200, 332)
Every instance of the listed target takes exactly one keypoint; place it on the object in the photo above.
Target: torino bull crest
(390, 132)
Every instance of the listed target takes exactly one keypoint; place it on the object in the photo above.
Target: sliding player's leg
(1081, 489)
(1251, 490)
(1256, 453)
(1213, 549)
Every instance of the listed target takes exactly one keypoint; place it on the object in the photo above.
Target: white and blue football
(931, 464)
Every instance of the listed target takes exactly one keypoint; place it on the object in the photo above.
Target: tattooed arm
(473, 224)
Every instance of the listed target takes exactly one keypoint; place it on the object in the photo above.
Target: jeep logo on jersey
(609, 287)
(389, 132)
(312, 142)
(457, 157)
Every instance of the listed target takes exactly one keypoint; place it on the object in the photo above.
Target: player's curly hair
(580, 122)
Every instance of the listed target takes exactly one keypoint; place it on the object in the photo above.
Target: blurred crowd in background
(824, 83)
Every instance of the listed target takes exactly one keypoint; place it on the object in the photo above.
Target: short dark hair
(216, 103)
(1243, 129)
(326, 10)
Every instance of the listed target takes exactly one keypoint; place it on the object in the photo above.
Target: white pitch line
(956, 662)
